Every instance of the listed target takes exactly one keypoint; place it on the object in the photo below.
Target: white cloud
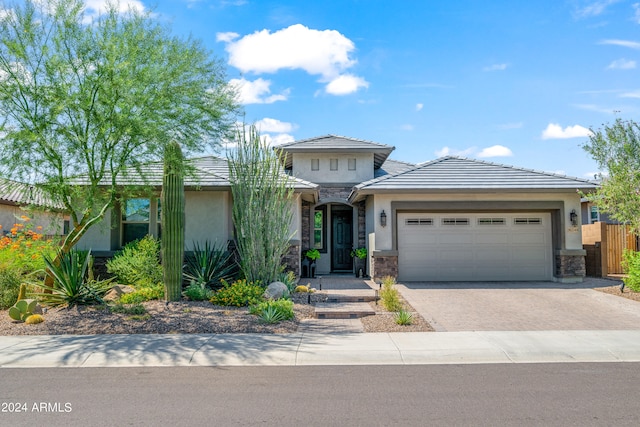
(279, 139)
(419, 107)
(636, 8)
(407, 127)
(273, 125)
(622, 64)
(634, 94)
(346, 84)
(226, 37)
(4, 13)
(324, 53)
(594, 8)
(623, 43)
(495, 151)
(555, 131)
(446, 151)
(257, 91)
(496, 67)
(94, 8)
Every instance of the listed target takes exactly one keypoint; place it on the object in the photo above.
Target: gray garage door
(474, 246)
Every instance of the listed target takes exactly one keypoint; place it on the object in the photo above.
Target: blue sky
(512, 82)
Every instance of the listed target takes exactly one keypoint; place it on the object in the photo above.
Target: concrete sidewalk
(319, 349)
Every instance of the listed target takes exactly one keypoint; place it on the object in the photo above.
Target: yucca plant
(403, 318)
(70, 286)
(208, 265)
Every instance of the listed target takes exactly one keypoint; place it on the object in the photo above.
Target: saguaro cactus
(172, 217)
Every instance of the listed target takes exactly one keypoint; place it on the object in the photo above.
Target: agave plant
(70, 282)
(208, 265)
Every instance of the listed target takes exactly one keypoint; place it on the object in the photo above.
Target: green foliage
(616, 149)
(262, 206)
(101, 98)
(34, 319)
(389, 295)
(209, 264)
(22, 293)
(144, 293)
(240, 293)
(273, 311)
(289, 279)
(360, 253)
(631, 266)
(137, 264)
(197, 291)
(70, 284)
(312, 254)
(403, 317)
(22, 309)
(130, 309)
(10, 279)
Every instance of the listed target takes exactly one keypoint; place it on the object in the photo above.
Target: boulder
(116, 292)
(276, 290)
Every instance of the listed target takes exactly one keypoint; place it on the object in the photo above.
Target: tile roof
(458, 173)
(390, 167)
(19, 193)
(336, 143)
(207, 171)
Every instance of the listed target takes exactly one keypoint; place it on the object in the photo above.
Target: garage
(474, 246)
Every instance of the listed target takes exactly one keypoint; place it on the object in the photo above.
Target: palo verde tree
(616, 149)
(262, 206)
(83, 100)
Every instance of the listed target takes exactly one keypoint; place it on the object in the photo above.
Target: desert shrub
(131, 309)
(143, 293)
(209, 264)
(389, 295)
(283, 306)
(239, 293)
(289, 279)
(9, 286)
(22, 248)
(403, 317)
(138, 263)
(71, 284)
(631, 266)
(197, 291)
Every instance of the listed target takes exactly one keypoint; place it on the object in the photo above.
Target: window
(595, 214)
(334, 164)
(352, 164)
(319, 221)
(419, 221)
(315, 164)
(455, 221)
(527, 221)
(491, 221)
(135, 219)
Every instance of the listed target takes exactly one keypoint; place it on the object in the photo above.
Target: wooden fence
(605, 244)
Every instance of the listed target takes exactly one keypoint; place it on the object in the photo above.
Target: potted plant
(312, 255)
(359, 255)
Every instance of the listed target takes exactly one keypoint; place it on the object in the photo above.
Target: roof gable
(458, 173)
(336, 144)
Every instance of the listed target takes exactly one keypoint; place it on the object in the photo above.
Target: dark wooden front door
(342, 240)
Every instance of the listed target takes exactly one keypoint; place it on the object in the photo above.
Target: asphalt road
(580, 394)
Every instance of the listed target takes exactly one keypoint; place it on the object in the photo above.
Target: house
(18, 199)
(450, 219)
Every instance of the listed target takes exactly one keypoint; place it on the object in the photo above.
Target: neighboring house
(18, 200)
(592, 214)
(451, 219)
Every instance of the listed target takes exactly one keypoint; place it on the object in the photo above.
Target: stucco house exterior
(450, 219)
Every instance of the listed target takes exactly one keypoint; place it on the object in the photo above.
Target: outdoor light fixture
(573, 216)
(383, 219)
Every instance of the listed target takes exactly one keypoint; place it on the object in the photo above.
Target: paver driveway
(521, 306)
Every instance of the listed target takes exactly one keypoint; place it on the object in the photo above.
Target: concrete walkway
(319, 349)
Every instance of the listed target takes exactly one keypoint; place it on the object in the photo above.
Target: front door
(342, 240)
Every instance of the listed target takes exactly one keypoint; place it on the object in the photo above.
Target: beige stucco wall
(51, 223)
(363, 172)
(98, 237)
(384, 237)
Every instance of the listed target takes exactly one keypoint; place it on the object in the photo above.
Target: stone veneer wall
(362, 226)
(334, 193)
(570, 265)
(306, 225)
(384, 265)
(291, 260)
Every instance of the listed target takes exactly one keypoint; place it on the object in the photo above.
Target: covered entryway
(474, 246)
(342, 238)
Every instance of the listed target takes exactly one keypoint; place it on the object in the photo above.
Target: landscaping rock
(276, 290)
(116, 292)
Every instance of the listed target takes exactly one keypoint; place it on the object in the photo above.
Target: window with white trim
(491, 221)
(455, 221)
(333, 164)
(352, 164)
(135, 219)
(315, 164)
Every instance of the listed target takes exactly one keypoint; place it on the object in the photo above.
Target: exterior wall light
(573, 216)
(383, 219)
